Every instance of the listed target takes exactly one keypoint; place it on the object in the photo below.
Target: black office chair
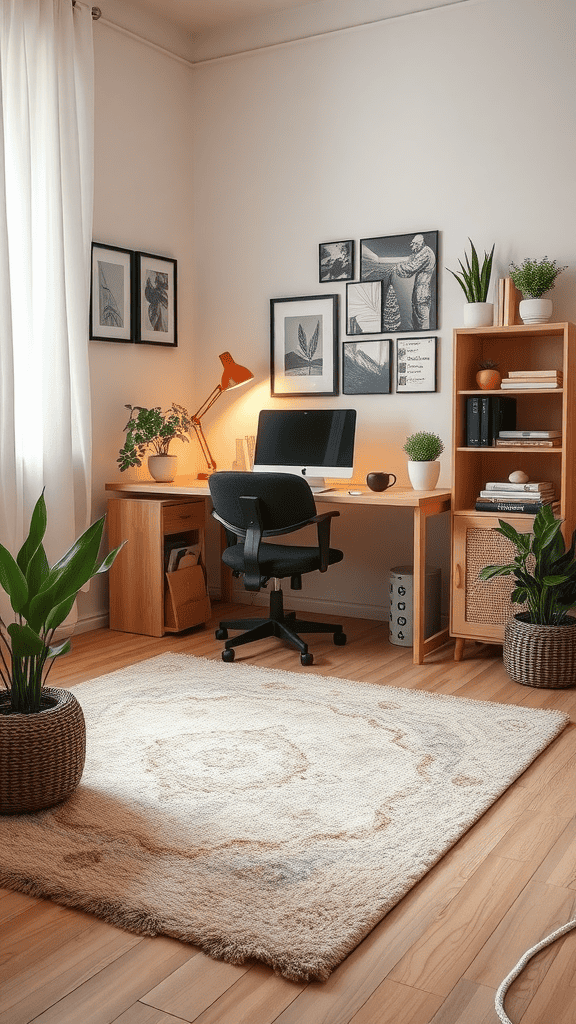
(253, 506)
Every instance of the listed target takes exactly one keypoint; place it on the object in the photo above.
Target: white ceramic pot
(423, 475)
(535, 311)
(162, 467)
(478, 314)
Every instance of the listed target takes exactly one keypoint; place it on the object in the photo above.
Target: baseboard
(310, 604)
(91, 622)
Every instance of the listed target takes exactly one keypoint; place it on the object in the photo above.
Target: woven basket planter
(542, 656)
(41, 755)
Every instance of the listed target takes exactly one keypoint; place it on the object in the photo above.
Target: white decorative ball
(518, 477)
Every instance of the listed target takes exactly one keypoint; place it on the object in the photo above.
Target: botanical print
(364, 308)
(406, 265)
(156, 294)
(366, 367)
(303, 346)
(110, 294)
(336, 261)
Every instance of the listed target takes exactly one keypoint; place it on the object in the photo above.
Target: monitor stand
(317, 484)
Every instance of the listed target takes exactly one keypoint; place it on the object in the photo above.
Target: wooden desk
(422, 503)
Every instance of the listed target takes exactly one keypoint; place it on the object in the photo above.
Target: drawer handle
(458, 576)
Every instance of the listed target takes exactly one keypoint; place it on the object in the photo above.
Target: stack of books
(529, 438)
(522, 380)
(503, 496)
(486, 416)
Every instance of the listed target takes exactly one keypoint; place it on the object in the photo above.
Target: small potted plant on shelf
(488, 377)
(540, 642)
(42, 730)
(534, 278)
(423, 449)
(152, 428)
(475, 283)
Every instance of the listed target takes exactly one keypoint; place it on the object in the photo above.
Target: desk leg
(422, 645)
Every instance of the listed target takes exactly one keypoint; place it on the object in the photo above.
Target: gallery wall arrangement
(133, 296)
(397, 293)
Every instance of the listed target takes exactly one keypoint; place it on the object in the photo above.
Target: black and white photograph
(366, 367)
(416, 364)
(156, 290)
(304, 345)
(336, 261)
(406, 265)
(112, 293)
(364, 307)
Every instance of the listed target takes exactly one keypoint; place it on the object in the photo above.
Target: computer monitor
(313, 443)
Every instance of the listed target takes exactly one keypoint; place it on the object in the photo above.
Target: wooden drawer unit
(141, 601)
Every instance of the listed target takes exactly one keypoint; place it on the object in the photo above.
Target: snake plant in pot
(42, 733)
(474, 280)
(540, 643)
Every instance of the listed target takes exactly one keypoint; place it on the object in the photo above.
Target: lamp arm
(207, 404)
(203, 443)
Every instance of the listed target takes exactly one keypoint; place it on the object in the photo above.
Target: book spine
(487, 495)
(531, 508)
(507, 442)
(486, 435)
(505, 486)
(473, 422)
(534, 373)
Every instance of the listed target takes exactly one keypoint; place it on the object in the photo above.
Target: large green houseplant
(42, 739)
(540, 643)
(153, 430)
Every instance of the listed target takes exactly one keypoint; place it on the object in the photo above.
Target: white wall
(457, 119)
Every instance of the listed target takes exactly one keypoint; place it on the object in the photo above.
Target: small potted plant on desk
(42, 730)
(152, 428)
(423, 449)
(474, 281)
(534, 278)
(540, 643)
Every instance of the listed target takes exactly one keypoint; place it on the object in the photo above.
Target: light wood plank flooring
(438, 956)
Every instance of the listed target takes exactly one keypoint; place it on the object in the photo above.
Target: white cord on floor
(500, 994)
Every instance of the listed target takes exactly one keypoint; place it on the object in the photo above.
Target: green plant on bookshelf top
(474, 279)
(535, 277)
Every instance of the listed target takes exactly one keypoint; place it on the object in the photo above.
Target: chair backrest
(285, 499)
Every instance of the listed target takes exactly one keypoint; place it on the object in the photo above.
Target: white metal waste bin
(402, 604)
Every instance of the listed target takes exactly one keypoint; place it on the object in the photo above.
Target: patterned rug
(264, 814)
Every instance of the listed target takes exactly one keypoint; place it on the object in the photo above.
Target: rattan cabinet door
(481, 608)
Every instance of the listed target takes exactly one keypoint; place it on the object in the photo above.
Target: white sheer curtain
(46, 193)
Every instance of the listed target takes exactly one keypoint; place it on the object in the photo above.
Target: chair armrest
(323, 526)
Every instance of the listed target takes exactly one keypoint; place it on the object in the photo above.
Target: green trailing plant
(152, 429)
(474, 279)
(534, 278)
(41, 598)
(544, 570)
(423, 446)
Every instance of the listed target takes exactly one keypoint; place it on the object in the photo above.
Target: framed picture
(111, 293)
(304, 346)
(416, 364)
(156, 315)
(406, 265)
(336, 261)
(366, 367)
(364, 308)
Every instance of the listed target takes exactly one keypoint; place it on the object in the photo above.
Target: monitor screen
(313, 443)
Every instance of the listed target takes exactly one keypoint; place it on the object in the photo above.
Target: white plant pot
(423, 475)
(478, 314)
(535, 311)
(162, 467)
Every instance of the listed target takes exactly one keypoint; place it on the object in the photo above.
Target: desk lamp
(232, 377)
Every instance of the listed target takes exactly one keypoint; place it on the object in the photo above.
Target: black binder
(501, 416)
(473, 421)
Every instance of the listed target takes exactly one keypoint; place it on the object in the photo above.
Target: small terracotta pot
(488, 380)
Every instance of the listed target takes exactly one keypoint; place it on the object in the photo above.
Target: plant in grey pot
(423, 449)
(540, 643)
(474, 281)
(42, 732)
(153, 429)
(534, 278)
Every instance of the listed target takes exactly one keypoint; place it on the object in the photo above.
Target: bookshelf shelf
(479, 610)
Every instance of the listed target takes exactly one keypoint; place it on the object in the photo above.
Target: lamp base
(204, 476)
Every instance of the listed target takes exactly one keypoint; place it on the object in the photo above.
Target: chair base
(283, 625)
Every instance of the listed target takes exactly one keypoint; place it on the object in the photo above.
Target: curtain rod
(96, 12)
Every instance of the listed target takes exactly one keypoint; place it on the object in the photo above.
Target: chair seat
(278, 561)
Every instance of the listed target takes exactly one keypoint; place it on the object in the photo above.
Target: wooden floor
(438, 956)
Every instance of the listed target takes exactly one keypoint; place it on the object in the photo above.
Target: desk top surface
(189, 486)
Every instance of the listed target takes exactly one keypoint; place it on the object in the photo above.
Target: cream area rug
(264, 814)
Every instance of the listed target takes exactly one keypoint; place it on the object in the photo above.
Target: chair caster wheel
(228, 654)
(306, 659)
(340, 639)
(221, 634)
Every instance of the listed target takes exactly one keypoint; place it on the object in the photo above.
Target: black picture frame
(364, 307)
(304, 346)
(407, 265)
(112, 294)
(336, 261)
(416, 365)
(367, 366)
(156, 300)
